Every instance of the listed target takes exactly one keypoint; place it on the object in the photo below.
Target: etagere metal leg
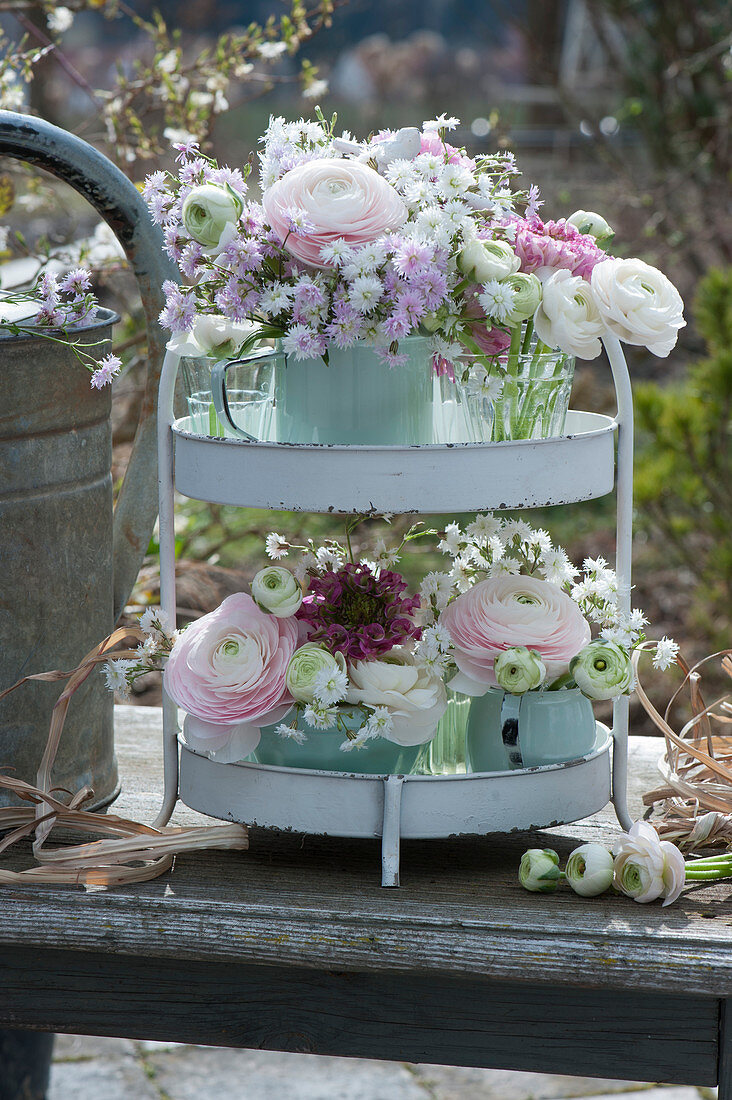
(623, 558)
(391, 830)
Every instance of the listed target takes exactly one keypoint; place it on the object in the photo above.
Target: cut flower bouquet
(332, 645)
(339, 645)
(520, 615)
(399, 235)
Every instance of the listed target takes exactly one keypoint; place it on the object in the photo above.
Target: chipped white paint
(438, 477)
(348, 805)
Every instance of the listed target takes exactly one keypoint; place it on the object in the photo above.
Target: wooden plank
(317, 903)
(725, 1051)
(372, 1015)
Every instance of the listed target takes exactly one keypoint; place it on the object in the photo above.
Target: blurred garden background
(619, 106)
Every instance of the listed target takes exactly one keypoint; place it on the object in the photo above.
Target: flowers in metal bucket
(398, 234)
(56, 308)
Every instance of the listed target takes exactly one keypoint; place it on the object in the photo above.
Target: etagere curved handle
(623, 558)
(166, 506)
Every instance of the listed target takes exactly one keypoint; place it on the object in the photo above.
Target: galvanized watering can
(67, 566)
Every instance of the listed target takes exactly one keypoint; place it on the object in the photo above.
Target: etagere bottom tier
(413, 807)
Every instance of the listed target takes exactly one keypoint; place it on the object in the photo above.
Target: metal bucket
(66, 565)
(56, 555)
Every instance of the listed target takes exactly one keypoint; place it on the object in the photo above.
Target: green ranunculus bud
(587, 221)
(527, 296)
(484, 260)
(539, 870)
(210, 214)
(275, 590)
(519, 670)
(589, 870)
(305, 664)
(602, 670)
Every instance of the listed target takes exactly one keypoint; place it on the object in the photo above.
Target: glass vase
(447, 747)
(250, 396)
(525, 395)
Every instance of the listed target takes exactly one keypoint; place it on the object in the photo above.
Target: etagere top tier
(430, 478)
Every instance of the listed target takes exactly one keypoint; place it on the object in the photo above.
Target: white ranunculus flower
(568, 317)
(589, 870)
(638, 304)
(486, 260)
(519, 670)
(587, 221)
(212, 336)
(415, 700)
(526, 296)
(275, 590)
(602, 670)
(210, 214)
(539, 870)
(646, 867)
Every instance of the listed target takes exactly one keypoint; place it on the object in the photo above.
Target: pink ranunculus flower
(543, 247)
(338, 199)
(507, 611)
(227, 670)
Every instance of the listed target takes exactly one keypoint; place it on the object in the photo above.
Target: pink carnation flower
(543, 247)
(507, 611)
(430, 142)
(227, 670)
(491, 341)
(340, 200)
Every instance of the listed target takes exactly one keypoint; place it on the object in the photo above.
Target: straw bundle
(134, 852)
(696, 798)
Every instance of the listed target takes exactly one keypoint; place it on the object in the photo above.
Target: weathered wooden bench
(294, 946)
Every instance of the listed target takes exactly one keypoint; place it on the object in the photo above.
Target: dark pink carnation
(556, 245)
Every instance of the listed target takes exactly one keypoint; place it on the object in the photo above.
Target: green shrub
(683, 471)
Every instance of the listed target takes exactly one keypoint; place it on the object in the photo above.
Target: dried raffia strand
(100, 862)
(696, 798)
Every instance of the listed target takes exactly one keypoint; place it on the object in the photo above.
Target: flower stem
(527, 336)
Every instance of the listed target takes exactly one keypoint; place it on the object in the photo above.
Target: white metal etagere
(459, 477)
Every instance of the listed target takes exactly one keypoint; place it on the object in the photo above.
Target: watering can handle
(121, 206)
